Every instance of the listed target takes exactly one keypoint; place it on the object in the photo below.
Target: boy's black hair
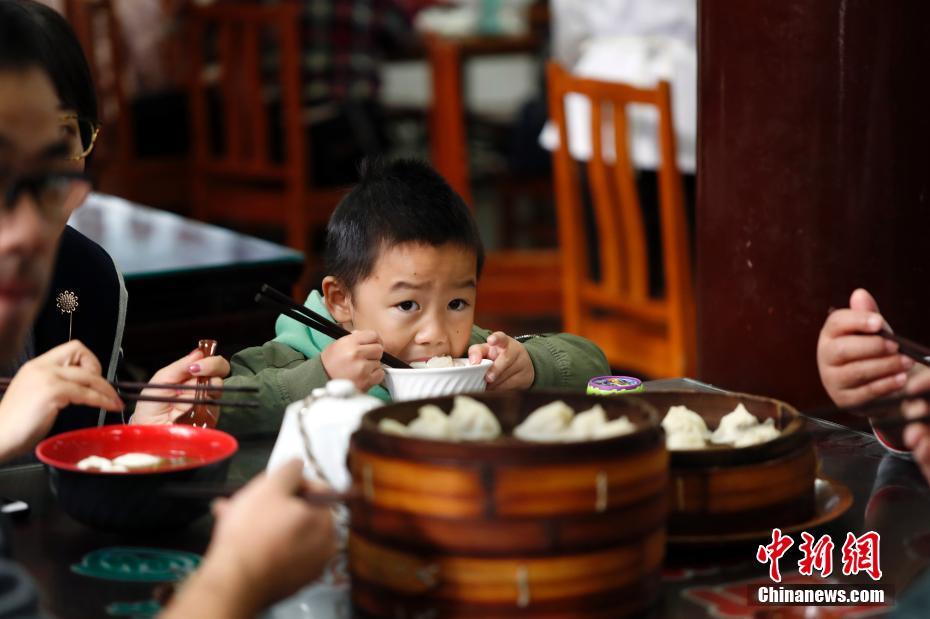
(395, 202)
(34, 35)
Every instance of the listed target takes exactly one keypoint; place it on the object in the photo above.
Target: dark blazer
(87, 270)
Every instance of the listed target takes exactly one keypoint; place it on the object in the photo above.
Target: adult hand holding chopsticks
(67, 374)
(184, 371)
(856, 366)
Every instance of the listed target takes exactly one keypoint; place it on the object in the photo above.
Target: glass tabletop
(146, 242)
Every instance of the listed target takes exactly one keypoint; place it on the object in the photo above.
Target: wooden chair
(242, 181)
(117, 166)
(653, 336)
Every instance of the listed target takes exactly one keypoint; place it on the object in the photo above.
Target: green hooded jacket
(289, 367)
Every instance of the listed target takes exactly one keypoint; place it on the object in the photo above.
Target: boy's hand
(185, 371)
(357, 357)
(67, 374)
(854, 365)
(512, 368)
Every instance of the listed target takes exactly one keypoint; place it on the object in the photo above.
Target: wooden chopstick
(208, 493)
(910, 348)
(136, 386)
(303, 314)
(138, 397)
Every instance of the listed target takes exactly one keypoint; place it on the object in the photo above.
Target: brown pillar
(813, 178)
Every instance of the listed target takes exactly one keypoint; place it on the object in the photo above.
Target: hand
(512, 368)
(855, 366)
(917, 435)
(184, 371)
(65, 375)
(357, 357)
(268, 542)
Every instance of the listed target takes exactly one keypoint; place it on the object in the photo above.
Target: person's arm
(267, 544)
(281, 374)
(563, 360)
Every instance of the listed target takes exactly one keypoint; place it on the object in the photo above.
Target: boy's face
(420, 300)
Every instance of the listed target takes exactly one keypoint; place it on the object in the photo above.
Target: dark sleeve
(87, 270)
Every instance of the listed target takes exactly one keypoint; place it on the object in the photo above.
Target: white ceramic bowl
(420, 383)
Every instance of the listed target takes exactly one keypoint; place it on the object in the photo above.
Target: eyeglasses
(81, 134)
(50, 189)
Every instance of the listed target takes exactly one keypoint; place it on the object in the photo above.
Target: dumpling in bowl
(470, 420)
(101, 465)
(435, 362)
(431, 423)
(733, 424)
(549, 423)
(135, 460)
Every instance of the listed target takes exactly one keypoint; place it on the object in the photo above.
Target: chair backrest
(229, 44)
(622, 282)
(98, 30)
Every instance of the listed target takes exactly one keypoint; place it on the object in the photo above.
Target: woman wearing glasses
(87, 299)
(267, 541)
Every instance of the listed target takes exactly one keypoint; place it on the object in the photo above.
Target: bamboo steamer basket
(508, 528)
(724, 490)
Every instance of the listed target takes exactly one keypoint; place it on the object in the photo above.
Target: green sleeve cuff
(297, 383)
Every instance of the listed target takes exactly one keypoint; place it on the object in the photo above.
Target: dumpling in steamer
(685, 439)
(682, 419)
(470, 420)
(733, 424)
(392, 426)
(549, 423)
(760, 433)
(584, 424)
(431, 423)
(610, 429)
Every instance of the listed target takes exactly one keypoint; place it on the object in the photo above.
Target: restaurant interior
(694, 186)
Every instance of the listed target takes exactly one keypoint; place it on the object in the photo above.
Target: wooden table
(186, 279)
(532, 276)
(890, 497)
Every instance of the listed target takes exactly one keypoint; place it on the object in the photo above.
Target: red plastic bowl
(140, 499)
(199, 446)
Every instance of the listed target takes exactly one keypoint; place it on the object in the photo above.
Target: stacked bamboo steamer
(508, 528)
(724, 491)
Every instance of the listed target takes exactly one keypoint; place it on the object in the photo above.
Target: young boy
(403, 256)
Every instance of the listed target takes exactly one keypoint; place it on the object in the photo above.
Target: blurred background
(254, 115)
